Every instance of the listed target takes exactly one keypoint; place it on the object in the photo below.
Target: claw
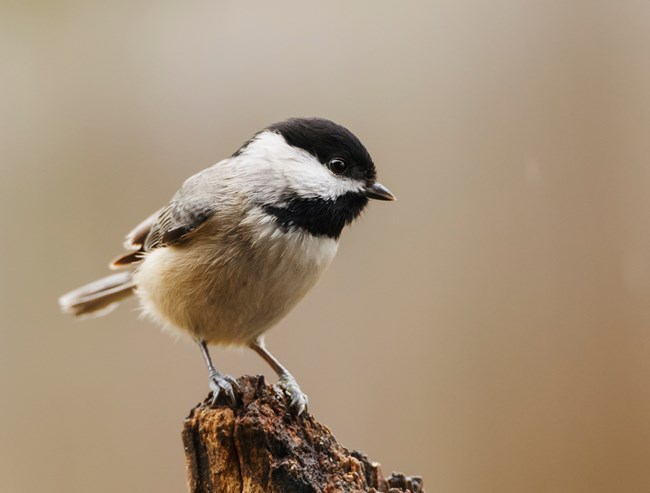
(298, 400)
(232, 380)
(219, 382)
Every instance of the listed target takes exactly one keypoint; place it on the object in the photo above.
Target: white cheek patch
(273, 167)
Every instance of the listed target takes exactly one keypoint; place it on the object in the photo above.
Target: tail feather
(99, 297)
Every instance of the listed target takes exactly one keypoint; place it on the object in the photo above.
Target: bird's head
(310, 173)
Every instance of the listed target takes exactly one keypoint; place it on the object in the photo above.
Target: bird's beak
(378, 191)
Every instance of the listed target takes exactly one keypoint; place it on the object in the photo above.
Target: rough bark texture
(261, 446)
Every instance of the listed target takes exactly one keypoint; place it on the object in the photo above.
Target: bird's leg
(218, 381)
(287, 381)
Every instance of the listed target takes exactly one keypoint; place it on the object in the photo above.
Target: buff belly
(229, 295)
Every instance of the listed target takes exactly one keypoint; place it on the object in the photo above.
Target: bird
(241, 242)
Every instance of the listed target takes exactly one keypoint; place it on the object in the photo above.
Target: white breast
(225, 290)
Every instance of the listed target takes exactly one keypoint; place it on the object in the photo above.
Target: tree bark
(259, 445)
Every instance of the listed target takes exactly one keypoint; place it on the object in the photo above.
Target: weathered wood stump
(261, 446)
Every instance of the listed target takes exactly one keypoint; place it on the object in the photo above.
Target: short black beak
(378, 191)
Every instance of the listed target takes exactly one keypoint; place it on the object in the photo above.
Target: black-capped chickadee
(242, 241)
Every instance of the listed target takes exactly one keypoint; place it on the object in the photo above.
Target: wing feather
(171, 225)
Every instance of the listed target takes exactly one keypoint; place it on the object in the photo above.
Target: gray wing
(175, 223)
(171, 225)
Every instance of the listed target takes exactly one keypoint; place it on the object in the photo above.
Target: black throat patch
(319, 217)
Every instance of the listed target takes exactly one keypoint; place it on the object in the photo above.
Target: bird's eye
(337, 165)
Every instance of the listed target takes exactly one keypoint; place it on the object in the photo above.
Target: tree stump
(260, 445)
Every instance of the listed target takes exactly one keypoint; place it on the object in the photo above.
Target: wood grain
(260, 445)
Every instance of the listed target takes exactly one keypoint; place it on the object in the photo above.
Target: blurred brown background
(490, 330)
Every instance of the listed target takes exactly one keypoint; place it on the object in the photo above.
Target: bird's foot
(220, 382)
(298, 400)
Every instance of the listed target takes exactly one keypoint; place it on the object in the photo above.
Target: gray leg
(287, 381)
(218, 381)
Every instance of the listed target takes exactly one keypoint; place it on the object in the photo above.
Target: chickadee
(242, 241)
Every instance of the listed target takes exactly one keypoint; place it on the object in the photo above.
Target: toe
(232, 381)
(226, 384)
(297, 399)
(230, 392)
(299, 403)
(214, 386)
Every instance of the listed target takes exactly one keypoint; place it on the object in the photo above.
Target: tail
(99, 297)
